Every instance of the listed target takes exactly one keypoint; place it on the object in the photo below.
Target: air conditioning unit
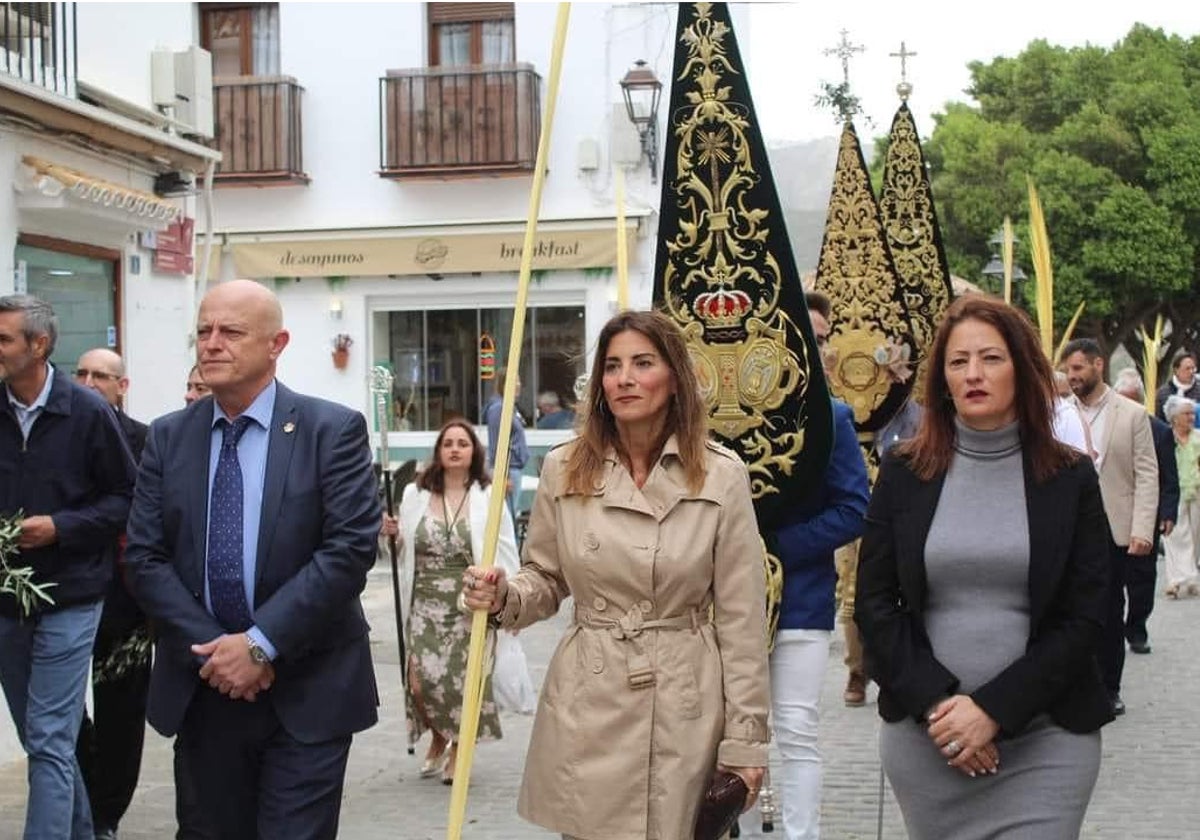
(182, 81)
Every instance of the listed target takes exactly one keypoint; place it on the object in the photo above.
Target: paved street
(1146, 788)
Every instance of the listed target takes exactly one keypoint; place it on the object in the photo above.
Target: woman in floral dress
(442, 519)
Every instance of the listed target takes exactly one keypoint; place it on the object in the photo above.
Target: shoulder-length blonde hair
(930, 450)
(686, 416)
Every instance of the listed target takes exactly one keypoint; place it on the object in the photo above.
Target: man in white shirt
(1069, 427)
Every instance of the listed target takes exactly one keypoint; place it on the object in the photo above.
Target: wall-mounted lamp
(335, 308)
(642, 91)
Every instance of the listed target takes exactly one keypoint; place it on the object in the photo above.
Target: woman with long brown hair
(442, 517)
(662, 674)
(982, 589)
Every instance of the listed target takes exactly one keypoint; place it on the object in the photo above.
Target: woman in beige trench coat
(662, 674)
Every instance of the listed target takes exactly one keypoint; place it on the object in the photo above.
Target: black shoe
(1118, 705)
(106, 834)
(1139, 647)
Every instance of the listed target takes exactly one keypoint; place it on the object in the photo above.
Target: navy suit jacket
(1168, 470)
(316, 543)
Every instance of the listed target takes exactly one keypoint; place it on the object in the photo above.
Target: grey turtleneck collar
(987, 445)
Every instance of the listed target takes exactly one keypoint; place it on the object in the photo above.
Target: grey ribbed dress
(977, 617)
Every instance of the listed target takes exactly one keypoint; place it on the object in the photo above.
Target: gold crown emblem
(723, 307)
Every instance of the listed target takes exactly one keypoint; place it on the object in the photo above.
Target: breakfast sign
(445, 253)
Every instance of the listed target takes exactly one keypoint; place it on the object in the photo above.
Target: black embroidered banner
(913, 236)
(725, 272)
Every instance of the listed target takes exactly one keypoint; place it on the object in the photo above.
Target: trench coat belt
(631, 625)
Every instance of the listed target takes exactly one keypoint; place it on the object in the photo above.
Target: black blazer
(316, 543)
(1168, 470)
(1068, 591)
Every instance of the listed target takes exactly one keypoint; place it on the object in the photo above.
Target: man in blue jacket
(66, 470)
(830, 516)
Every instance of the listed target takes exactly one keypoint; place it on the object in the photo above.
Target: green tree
(1111, 138)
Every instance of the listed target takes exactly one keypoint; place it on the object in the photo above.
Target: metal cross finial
(904, 88)
(845, 51)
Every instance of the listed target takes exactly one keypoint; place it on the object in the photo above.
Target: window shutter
(469, 12)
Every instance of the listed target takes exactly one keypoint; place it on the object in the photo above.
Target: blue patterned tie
(226, 583)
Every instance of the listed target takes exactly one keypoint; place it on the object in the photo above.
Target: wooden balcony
(258, 131)
(448, 122)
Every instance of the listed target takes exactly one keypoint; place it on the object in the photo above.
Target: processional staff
(381, 389)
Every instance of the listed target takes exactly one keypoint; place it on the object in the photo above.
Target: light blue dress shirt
(252, 456)
(26, 414)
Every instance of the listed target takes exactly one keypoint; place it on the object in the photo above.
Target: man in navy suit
(252, 530)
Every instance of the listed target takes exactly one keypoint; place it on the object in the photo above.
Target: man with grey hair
(68, 474)
(551, 414)
(1141, 572)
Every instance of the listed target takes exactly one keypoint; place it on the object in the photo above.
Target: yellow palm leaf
(1007, 258)
(1068, 332)
(1039, 243)
(1150, 347)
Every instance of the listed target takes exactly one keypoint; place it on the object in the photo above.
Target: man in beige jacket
(1123, 450)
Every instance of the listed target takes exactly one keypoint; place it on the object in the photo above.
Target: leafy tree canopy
(1111, 138)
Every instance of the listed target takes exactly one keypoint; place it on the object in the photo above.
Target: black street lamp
(642, 91)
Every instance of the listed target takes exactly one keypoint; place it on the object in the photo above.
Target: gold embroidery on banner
(739, 340)
(870, 339)
(909, 222)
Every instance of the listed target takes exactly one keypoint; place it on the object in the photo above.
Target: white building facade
(380, 184)
(81, 148)
(400, 231)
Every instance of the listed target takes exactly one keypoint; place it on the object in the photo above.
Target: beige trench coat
(646, 691)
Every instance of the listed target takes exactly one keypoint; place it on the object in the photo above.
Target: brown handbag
(723, 801)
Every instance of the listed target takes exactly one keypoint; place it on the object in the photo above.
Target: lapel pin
(289, 427)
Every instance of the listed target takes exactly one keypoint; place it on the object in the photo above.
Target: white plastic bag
(512, 687)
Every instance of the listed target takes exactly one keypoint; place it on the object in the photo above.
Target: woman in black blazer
(981, 597)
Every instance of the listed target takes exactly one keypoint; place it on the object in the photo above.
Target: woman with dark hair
(982, 589)
(1183, 383)
(442, 518)
(662, 674)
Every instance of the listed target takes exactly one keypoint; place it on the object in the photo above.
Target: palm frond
(1039, 245)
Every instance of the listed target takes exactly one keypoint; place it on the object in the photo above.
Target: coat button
(597, 665)
(599, 604)
(646, 607)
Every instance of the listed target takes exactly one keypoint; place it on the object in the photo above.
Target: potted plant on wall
(341, 350)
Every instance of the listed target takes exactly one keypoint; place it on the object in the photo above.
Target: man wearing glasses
(110, 743)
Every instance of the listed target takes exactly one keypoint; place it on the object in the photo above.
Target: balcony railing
(448, 121)
(258, 130)
(38, 44)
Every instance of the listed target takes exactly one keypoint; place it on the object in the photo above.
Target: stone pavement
(1146, 789)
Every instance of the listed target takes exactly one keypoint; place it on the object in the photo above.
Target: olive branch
(15, 581)
(133, 652)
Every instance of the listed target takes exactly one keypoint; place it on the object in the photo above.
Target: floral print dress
(439, 634)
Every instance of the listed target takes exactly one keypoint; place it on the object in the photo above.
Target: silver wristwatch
(257, 653)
